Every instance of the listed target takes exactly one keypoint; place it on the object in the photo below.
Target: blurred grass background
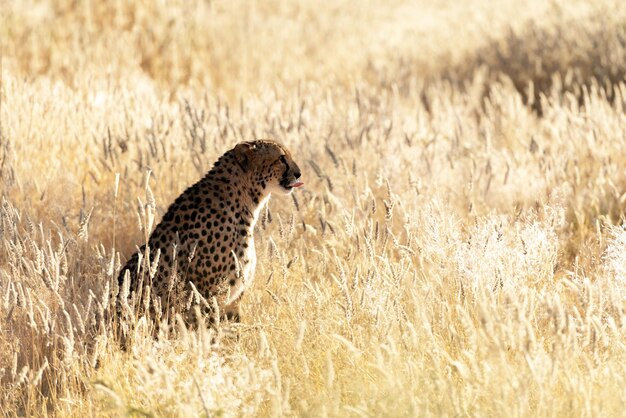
(458, 248)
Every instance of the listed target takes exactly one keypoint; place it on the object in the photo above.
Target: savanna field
(458, 248)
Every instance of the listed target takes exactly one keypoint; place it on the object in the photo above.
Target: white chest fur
(247, 264)
(245, 273)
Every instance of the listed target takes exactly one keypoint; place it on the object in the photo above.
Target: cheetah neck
(254, 202)
(257, 211)
(226, 177)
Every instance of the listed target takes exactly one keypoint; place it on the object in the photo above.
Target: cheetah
(206, 237)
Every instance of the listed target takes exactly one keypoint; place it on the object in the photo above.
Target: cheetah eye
(284, 160)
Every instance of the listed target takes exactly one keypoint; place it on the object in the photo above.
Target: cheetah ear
(243, 154)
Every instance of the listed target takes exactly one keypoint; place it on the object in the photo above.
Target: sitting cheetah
(206, 235)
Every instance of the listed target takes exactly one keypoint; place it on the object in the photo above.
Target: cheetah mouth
(288, 186)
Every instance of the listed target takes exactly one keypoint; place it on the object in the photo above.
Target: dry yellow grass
(453, 253)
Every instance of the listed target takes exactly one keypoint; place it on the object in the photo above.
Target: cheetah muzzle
(206, 237)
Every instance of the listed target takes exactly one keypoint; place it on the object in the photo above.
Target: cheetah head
(269, 164)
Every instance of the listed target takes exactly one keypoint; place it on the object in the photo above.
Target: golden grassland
(457, 250)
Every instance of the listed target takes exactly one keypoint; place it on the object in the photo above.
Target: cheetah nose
(296, 182)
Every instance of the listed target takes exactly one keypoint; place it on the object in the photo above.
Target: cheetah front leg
(231, 312)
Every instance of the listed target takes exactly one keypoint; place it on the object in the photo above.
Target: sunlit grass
(453, 251)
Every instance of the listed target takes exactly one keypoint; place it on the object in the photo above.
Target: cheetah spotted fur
(206, 236)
